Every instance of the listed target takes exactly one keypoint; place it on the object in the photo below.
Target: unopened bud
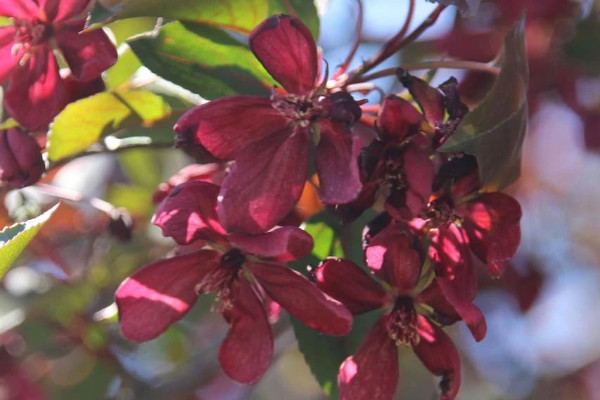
(21, 162)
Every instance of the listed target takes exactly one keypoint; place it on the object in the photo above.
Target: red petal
(59, 10)
(336, 163)
(8, 61)
(287, 50)
(88, 54)
(19, 9)
(392, 259)
(429, 99)
(36, 93)
(346, 282)
(227, 125)
(246, 352)
(419, 176)
(287, 243)
(372, 372)
(161, 293)
(189, 213)
(302, 299)
(438, 353)
(397, 118)
(265, 183)
(492, 225)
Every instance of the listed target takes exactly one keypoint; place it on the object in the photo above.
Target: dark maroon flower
(36, 92)
(21, 162)
(372, 372)
(270, 140)
(244, 273)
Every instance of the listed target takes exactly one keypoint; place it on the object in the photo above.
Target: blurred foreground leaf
(82, 123)
(14, 238)
(495, 130)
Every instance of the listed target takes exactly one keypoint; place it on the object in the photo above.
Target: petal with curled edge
(264, 183)
(372, 372)
(302, 299)
(287, 50)
(345, 281)
(161, 293)
(189, 213)
(397, 118)
(286, 243)
(226, 126)
(246, 352)
(439, 355)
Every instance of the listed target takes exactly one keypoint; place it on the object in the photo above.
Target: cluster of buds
(421, 249)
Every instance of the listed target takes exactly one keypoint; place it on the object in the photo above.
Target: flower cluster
(421, 250)
(36, 91)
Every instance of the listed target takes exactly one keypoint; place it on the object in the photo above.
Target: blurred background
(59, 336)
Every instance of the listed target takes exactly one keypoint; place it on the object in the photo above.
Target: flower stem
(359, 25)
(75, 197)
(468, 65)
(396, 43)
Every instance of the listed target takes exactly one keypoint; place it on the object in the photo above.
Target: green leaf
(303, 9)
(583, 47)
(204, 60)
(236, 15)
(495, 130)
(14, 238)
(83, 122)
(324, 353)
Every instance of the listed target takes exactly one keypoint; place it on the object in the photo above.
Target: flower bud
(21, 161)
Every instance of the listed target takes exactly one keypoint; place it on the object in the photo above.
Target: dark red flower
(244, 273)
(21, 162)
(36, 92)
(270, 140)
(372, 372)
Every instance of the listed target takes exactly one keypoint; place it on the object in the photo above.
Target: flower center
(220, 280)
(401, 323)
(301, 109)
(439, 213)
(28, 35)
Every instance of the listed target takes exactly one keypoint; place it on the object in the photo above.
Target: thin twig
(359, 26)
(468, 65)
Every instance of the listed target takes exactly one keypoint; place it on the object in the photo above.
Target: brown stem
(359, 25)
(468, 65)
(396, 43)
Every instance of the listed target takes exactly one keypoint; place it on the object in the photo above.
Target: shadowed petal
(20, 9)
(265, 183)
(161, 293)
(287, 243)
(439, 355)
(429, 99)
(372, 372)
(287, 50)
(8, 61)
(189, 213)
(397, 117)
(246, 352)
(492, 225)
(419, 176)
(36, 93)
(302, 299)
(391, 258)
(88, 54)
(229, 124)
(345, 281)
(336, 163)
(59, 10)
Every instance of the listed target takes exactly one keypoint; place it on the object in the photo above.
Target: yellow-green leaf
(83, 122)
